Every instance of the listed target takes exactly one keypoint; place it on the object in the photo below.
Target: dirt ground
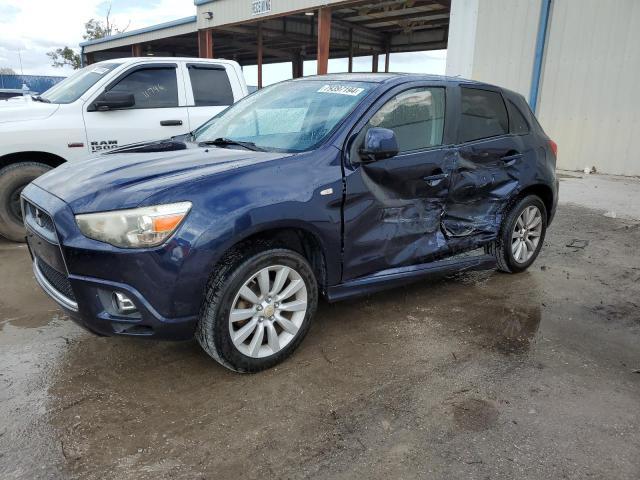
(483, 375)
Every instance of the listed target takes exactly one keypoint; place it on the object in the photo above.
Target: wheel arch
(46, 158)
(541, 190)
(294, 237)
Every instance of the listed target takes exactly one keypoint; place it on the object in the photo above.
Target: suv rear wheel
(521, 235)
(258, 310)
(13, 178)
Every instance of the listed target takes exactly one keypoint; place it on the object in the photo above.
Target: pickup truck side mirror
(114, 101)
(379, 143)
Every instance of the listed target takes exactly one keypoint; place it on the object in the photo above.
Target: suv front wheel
(521, 235)
(258, 309)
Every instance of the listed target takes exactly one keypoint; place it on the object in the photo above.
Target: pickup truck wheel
(13, 178)
(258, 310)
(521, 235)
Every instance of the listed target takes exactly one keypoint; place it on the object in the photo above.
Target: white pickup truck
(102, 107)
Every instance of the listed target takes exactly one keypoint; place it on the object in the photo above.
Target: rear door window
(483, 115)
(151, 87)
(210, 86)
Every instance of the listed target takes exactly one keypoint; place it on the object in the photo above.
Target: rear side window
(517, 122)
(211, 86)
(151, 87)
(484, 115)
(416, 116)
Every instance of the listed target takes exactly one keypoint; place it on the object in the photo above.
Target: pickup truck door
(393, 207)
(159, 112)
(210, 91)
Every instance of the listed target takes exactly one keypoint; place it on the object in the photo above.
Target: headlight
(134, 228)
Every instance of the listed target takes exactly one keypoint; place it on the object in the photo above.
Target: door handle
(511, 159)
(434, 180)
(170, 123)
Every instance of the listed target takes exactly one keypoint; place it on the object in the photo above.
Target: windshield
(72, 88)
(289, 117)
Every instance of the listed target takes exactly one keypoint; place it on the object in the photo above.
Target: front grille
(39, 219)
(58, 280)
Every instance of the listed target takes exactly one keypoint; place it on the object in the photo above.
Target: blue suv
(332, 186)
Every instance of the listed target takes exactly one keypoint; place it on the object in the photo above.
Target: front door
(159, 111)
(393, 207)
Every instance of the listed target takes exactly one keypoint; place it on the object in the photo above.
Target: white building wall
(589, 100)
(463, 21)
(494, 41)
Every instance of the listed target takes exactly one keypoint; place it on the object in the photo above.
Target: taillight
(554, 147)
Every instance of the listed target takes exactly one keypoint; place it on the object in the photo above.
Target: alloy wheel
(526, 234)
(268, 310)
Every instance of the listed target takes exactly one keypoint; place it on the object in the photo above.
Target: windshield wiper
(221, 142)
(38, 98)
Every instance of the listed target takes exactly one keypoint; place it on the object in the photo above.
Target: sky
(31, 28)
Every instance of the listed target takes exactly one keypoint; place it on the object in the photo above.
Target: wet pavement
(483, 375)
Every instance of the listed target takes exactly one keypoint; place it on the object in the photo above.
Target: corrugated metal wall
(589, 100)
(505, 43)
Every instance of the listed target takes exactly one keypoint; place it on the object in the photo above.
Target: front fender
(290, 192)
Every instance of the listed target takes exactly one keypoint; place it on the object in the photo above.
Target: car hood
(23, 108)
(126, 178)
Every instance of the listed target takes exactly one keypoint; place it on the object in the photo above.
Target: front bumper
(88, 300)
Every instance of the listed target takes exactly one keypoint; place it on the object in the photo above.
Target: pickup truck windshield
(73, 87)
(288, 117)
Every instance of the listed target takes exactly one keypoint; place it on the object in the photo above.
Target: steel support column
(324, 37)
(136, 50)
(259, 63)
(350, 66)
(205, 43)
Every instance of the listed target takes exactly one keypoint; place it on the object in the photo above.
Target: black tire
(13, 178)
(501, 248)
(212, 331)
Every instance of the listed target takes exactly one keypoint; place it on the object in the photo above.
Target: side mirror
(114, 101)
(379, 143)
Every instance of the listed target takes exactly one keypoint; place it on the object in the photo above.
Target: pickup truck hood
(23, 108)
(123, 180)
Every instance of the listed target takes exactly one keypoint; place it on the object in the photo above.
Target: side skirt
(395, 277)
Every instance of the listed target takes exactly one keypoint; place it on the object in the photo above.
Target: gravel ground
(483, 375)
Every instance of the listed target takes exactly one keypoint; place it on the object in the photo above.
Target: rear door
(159, 111)
(210, 91)
(393, 207)
(487, 167)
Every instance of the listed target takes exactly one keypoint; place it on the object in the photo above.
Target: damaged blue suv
(332, 186)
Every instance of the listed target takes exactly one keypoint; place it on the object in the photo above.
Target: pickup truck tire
(521, 235)
(13, 178)
(268, 322)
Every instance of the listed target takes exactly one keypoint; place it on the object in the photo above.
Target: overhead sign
(260, 7)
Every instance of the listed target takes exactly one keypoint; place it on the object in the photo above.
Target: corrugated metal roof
(153, 28)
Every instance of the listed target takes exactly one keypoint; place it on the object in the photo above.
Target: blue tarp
(36, 83)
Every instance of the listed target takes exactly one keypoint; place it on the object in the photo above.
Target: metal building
(254, 32)
(574, 60)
